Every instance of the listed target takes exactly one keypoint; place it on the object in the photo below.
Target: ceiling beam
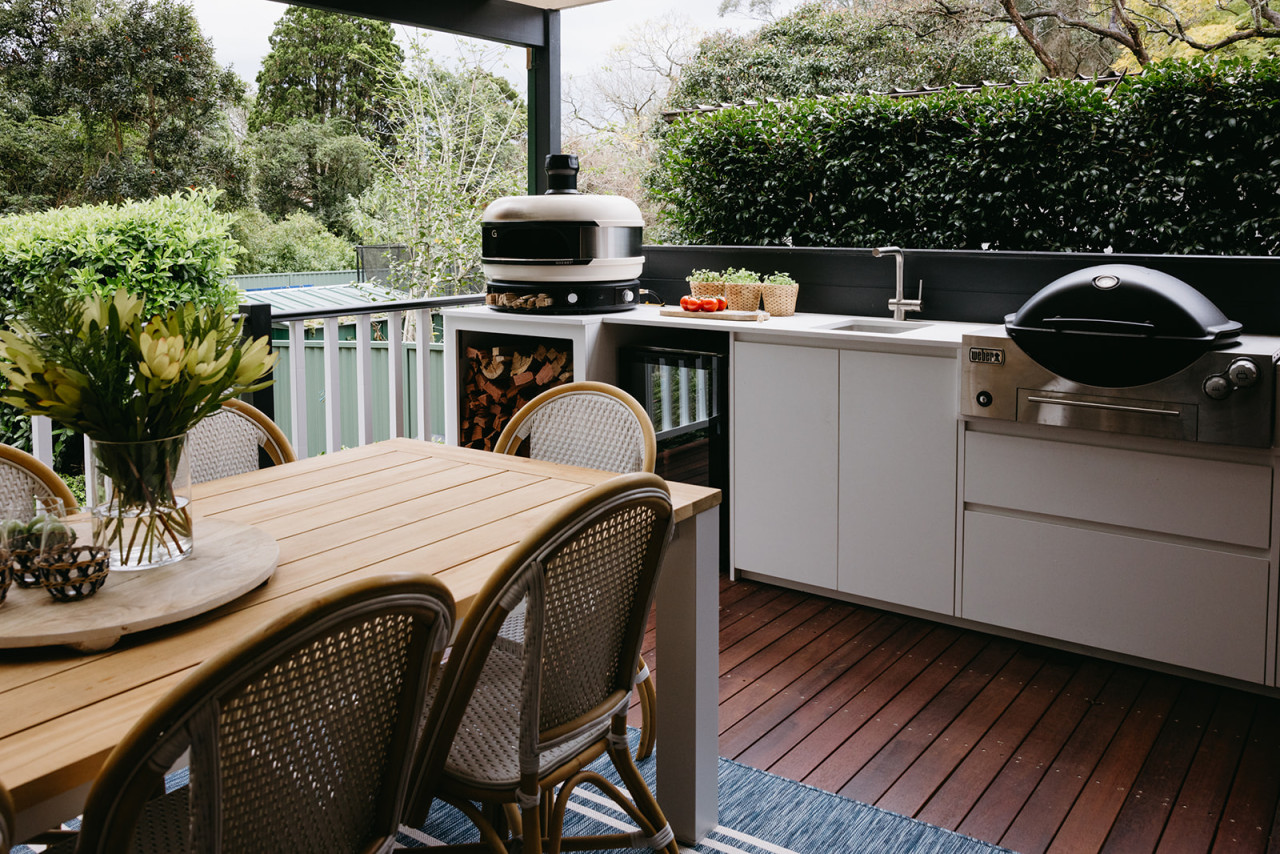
(492, 20)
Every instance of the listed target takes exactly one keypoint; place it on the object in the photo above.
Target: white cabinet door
(898, 478)
(785, 410)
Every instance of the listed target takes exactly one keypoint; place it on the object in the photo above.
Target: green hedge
(1179, 160)
(171, 249)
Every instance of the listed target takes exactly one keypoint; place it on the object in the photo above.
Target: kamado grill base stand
(563, 297)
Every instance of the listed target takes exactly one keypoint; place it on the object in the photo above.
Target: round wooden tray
(228, 560)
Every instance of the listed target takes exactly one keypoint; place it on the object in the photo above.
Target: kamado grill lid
(1119, 325)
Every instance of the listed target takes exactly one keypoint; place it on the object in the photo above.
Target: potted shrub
(779, 292)
(706, 283)
(742, 289)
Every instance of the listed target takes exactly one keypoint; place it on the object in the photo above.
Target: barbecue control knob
(571, 298)
(1217, 387)
(1243, 372)
(984, 398)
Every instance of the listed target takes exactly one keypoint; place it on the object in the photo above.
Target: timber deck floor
(1014, 743)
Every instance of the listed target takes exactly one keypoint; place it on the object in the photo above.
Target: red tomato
(708, 304)
(721, 305)
(690, 303)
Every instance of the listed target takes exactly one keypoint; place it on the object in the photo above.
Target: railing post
(425, 334)
(332, 388)
(257, 324)
(395, 372)
(42, 439)
(298, 387)
(364, 380)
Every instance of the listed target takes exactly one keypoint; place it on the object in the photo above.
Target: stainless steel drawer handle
(1142, 410)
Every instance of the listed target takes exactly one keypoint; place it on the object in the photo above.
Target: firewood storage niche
(500, 373)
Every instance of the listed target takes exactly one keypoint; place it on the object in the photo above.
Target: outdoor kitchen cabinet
(1155, 555)
(845, 471)
(898, 478)
(785, 444)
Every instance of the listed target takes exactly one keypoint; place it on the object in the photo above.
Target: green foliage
(459, 144)
(1180, 160)
(314, 167)
(173, 249)
(299, 242)
(129, 94)
(324, 65)
(817, 50)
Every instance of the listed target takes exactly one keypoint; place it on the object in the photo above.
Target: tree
(323, 65)
(609, 114)
(311, 166)
(130, 97)
(1134, 33)
(826, 50)
(459, 144)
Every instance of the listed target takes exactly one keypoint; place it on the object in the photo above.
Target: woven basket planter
(706, 289)
(741, 296)
(780, 300)
(70, 573)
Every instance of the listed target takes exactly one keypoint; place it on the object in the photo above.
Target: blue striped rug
(760, 813)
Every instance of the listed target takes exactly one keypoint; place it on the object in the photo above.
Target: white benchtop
(813, 329)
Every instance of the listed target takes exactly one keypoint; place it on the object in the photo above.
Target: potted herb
(706, 283)
(742, 289)
(779, 292)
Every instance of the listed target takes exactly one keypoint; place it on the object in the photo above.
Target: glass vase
(140, 498)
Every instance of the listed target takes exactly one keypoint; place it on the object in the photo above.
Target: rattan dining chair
(530, 706)
(23, 478)
(228, 441)
(598, 426)
(301, 736)
(7, 819)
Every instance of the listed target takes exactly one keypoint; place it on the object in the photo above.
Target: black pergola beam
(492, 20)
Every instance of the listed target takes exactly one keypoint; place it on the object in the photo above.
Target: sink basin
(877, 327)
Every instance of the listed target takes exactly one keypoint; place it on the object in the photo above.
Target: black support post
(544, 102)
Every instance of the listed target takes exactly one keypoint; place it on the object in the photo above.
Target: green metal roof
(301, 297)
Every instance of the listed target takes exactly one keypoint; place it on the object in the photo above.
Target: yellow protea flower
(162, 357)
(97, 310)
(256, 360)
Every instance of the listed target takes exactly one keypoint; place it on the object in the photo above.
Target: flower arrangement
(134, 385)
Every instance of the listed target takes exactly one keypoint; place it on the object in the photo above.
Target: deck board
(1011, 742)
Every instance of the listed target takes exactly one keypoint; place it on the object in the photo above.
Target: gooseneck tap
(899, 303)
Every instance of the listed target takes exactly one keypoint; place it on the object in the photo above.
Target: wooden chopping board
(676, 311)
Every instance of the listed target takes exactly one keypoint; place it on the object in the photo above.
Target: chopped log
(499, 379)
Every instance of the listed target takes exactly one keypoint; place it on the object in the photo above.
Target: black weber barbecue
(563, 252)
(1125, 349)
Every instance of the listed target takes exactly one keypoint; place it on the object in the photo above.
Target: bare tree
(609, 113)
(1141, 29)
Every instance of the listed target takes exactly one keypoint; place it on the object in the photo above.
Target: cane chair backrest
(23, 478)
(227, 442)
(6, 820)
(588, 424)
(301, 737)
(581, 585)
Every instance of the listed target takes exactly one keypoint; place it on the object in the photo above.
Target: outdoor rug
(760, 813)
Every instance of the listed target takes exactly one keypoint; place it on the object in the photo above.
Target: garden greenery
(169, 250)
(1180, 160)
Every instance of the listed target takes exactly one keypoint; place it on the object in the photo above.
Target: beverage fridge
(686, 394)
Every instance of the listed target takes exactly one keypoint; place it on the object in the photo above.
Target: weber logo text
(986, 355)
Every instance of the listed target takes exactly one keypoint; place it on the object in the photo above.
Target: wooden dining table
(397, 505)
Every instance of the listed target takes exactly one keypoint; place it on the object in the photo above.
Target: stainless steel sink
(877, 327)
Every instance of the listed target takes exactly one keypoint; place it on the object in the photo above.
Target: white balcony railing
(346, 376)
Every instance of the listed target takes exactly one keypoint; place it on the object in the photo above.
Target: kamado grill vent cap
(1119, 325)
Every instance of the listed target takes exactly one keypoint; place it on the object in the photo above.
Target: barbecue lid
(1119, 325)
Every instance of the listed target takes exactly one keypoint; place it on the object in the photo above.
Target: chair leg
(641, 796)
(648, 714)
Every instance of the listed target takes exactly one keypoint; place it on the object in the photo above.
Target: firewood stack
(497, 381)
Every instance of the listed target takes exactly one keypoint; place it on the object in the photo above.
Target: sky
(239, 30)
